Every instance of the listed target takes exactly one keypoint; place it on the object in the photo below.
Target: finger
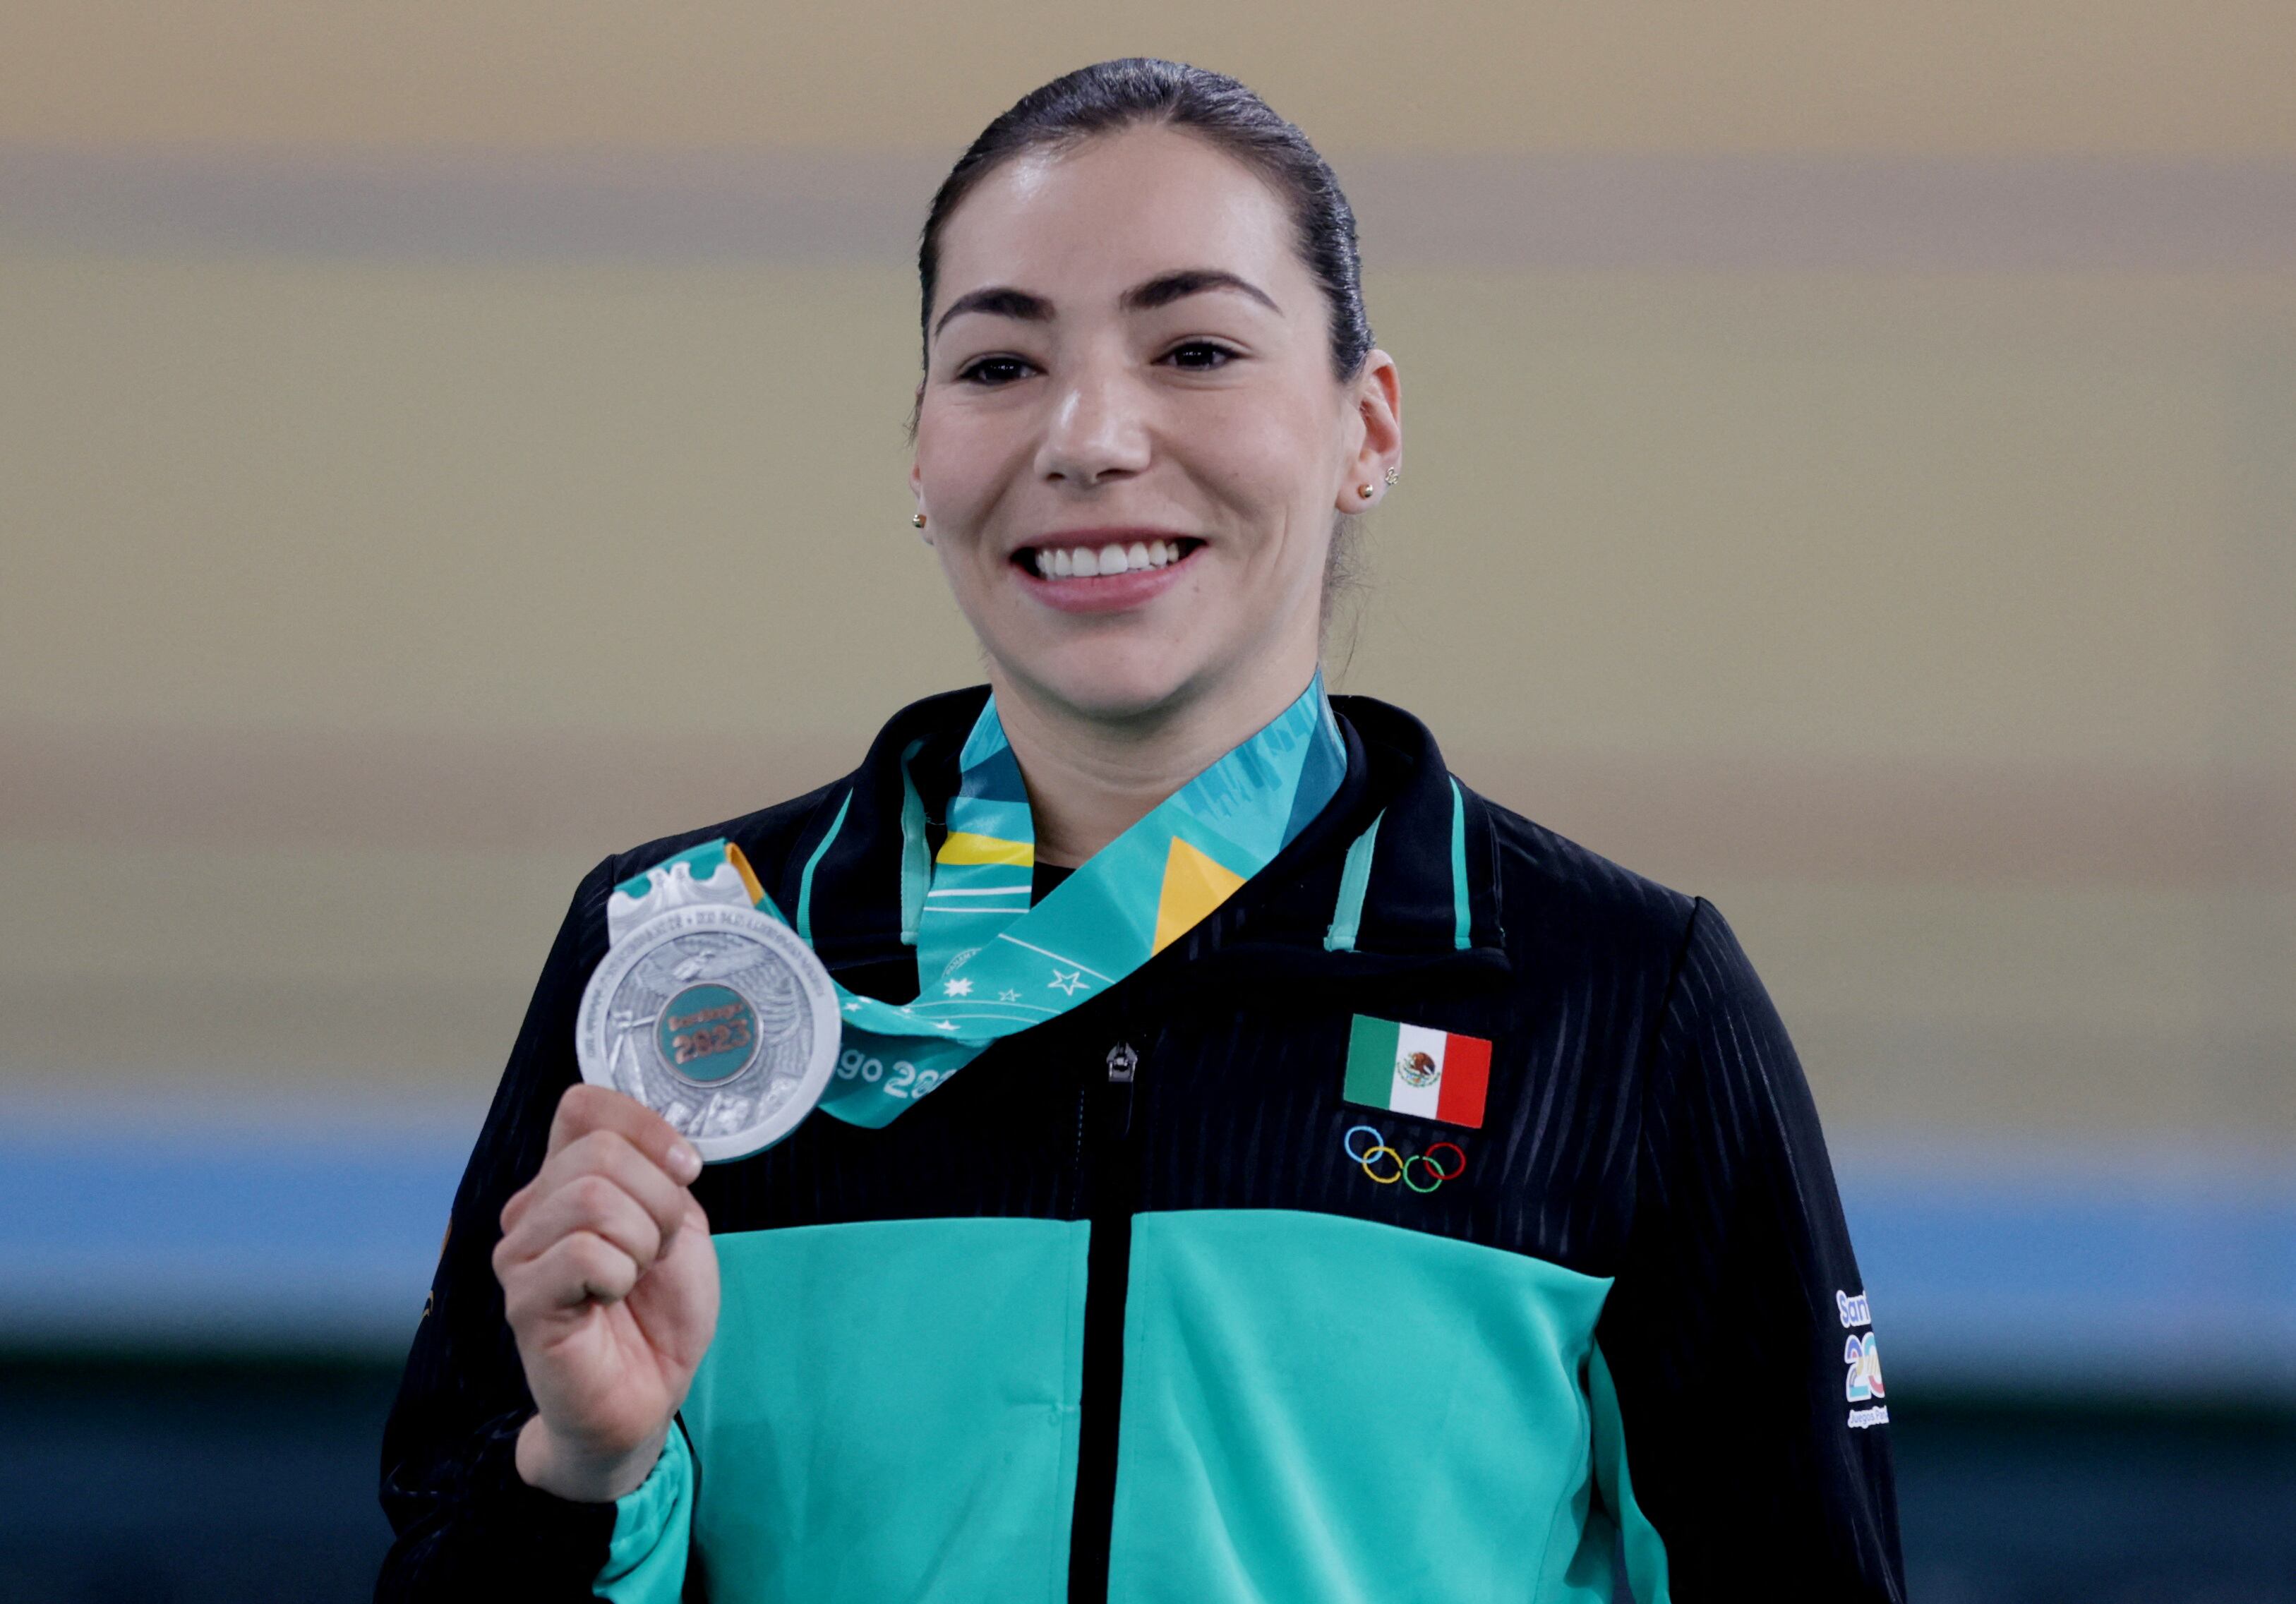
(587, 1108)
(576, 1269)
(519, 1202)
(676, 1305)
(590, 1203)
(693, 1225)
(609, 1154)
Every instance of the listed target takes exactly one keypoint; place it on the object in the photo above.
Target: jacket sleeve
(1749, 1429)
(466, 1525)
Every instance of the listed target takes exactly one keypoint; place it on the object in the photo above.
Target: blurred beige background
(1851, 473)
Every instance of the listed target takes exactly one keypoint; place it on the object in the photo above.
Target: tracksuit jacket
(1112, 1313)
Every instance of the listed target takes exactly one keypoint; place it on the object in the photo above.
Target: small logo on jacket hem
(1862, 1356)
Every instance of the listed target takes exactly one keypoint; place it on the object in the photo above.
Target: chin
(1114, 681)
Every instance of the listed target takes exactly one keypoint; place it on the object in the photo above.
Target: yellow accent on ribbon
(735, 856)
(965, 846)
(1195, 884)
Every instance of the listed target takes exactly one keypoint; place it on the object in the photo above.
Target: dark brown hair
(1142, 90)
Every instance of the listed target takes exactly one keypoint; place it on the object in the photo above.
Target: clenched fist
(610, 1285)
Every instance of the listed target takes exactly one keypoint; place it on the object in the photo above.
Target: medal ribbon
(991, 966)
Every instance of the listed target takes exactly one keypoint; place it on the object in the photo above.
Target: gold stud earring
(918, 520)
(1393, 474)
(1365, 491)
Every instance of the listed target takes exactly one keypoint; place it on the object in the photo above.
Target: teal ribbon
(991, 965)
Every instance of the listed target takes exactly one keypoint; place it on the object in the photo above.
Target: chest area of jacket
(1223, 1103)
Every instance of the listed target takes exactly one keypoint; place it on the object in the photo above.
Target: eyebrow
(1165, 289)
(1002, 300)
(998, 300)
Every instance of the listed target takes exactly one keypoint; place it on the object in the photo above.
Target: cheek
(964, 461)
(1264, 460)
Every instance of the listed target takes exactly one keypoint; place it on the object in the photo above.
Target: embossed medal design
(711, 1013)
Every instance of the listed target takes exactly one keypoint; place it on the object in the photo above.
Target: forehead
(1097, 218)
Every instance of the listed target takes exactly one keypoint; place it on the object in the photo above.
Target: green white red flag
(1411, 1069)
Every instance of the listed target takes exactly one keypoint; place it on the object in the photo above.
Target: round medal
(717, 1017)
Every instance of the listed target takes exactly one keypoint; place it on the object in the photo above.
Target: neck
(1091, 779)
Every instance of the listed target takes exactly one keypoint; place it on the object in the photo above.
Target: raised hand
(609, 1282)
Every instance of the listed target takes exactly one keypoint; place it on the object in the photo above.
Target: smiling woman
(1127, 350)
(1290, 1102)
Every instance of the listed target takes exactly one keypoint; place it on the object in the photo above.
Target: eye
(992, 371)
(1200, 356)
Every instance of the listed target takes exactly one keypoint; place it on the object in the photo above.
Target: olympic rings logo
(1371, 1157)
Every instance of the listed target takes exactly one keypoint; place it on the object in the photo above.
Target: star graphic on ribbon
(959, 988)
(853, 1008)
(947, 1025)
(1008, 995)
(1072, 982)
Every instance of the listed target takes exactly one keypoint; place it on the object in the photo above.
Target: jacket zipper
(1114, 1172)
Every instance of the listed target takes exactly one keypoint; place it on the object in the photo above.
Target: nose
(1095, 432)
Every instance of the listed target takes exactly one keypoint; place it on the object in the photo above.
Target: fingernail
(685, 1163)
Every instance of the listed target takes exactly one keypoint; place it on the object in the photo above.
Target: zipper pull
(1123, 1064)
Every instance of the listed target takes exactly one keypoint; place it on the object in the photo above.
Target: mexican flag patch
(1411, 1069)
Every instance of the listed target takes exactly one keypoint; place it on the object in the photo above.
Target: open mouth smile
(1104, 570)
(1103, 559)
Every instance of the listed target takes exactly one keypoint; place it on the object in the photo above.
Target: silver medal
(717, 1017)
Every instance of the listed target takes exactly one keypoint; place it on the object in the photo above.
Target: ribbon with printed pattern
(991, 965)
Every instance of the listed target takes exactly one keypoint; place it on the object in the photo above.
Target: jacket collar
(1281, 921)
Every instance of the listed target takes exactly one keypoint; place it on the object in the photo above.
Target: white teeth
(1085, 563)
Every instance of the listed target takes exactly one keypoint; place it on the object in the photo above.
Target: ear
(1378, 393)
(917, 489)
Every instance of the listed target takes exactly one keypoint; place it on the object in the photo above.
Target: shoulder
(1564, 904)
(1559, 909)
(1572, 909)
(768, 836)
(923, 736)
(763, 836)
(1707, 1005)
(1705, 1036)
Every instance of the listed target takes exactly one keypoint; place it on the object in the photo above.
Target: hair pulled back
(1142, 91)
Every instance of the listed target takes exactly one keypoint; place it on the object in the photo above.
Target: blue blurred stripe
(211, 1236)
(2097, 1274)
(2097, 1271)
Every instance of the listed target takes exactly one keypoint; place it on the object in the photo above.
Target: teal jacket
(1122, 1312)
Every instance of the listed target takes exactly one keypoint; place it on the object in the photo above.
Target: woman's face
(1129, 442)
